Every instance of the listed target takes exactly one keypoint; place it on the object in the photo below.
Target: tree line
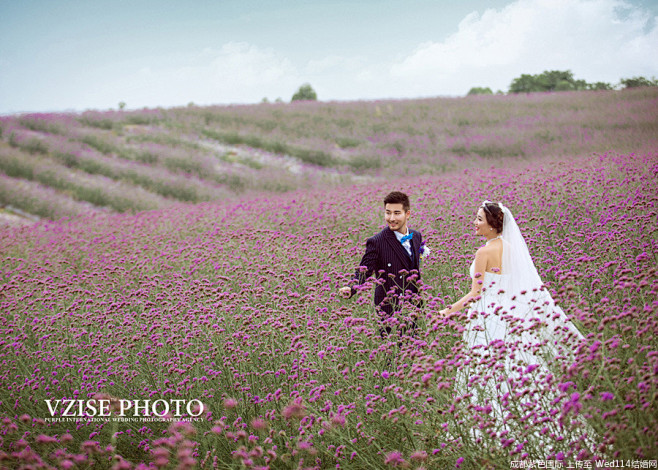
(549, 80)
(562, 80)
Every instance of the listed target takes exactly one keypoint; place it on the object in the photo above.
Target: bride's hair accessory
(499, 204)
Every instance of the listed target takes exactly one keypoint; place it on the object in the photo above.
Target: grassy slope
(131, 161)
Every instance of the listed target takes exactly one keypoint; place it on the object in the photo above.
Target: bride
(514, 334)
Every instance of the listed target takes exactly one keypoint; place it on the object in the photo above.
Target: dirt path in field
(7, 219)
(238, 154)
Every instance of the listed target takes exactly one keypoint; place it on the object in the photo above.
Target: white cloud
(595, 39)
(598, 40)
(236, 73)
(241, 67)
(335, 64)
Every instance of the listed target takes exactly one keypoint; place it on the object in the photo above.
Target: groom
(393, 256)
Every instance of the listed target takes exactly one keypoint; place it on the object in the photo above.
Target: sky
(76, 55)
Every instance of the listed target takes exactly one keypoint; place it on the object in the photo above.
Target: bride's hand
(445, 315)
(441, 316)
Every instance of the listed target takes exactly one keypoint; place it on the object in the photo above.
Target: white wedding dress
(514, 335)
(531, 317)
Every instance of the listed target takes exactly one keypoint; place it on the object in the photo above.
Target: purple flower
(394, 459)
(564, 387)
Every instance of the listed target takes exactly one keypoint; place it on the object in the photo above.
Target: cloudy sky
(58, 55)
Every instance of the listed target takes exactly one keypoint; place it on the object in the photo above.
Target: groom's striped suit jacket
(396, 271)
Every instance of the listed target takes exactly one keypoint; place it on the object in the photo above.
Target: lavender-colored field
(140, 160)
(230, 298)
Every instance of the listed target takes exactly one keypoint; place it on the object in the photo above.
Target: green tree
(599, 86)
(476, 90)
(305, 93)
(549, 80)
(563, 85)
(637, 82)
(524, 84)
(580, 85)
(556, 80)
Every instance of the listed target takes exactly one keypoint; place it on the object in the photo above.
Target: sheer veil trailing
(517, 265)
(521, 282)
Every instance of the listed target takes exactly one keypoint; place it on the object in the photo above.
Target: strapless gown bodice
(485, 323)
(489, 279)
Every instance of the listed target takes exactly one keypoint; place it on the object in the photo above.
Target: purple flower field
(149, 159)
(234, 305)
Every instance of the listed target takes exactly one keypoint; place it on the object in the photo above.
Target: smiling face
(482, 227)
(396, 217)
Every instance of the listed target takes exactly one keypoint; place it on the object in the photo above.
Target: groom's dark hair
(396, 197)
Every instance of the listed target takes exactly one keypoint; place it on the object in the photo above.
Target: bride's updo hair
(494, 215)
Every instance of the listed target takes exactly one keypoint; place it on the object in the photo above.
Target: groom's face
(396, 217)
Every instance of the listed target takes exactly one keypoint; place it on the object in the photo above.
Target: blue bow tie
(407, 237)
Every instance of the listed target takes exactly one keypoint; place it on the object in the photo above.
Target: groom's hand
(345, 292)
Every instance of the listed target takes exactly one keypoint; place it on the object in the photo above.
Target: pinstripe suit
(397, 272)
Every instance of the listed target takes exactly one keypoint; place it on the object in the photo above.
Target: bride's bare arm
(476, 284)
